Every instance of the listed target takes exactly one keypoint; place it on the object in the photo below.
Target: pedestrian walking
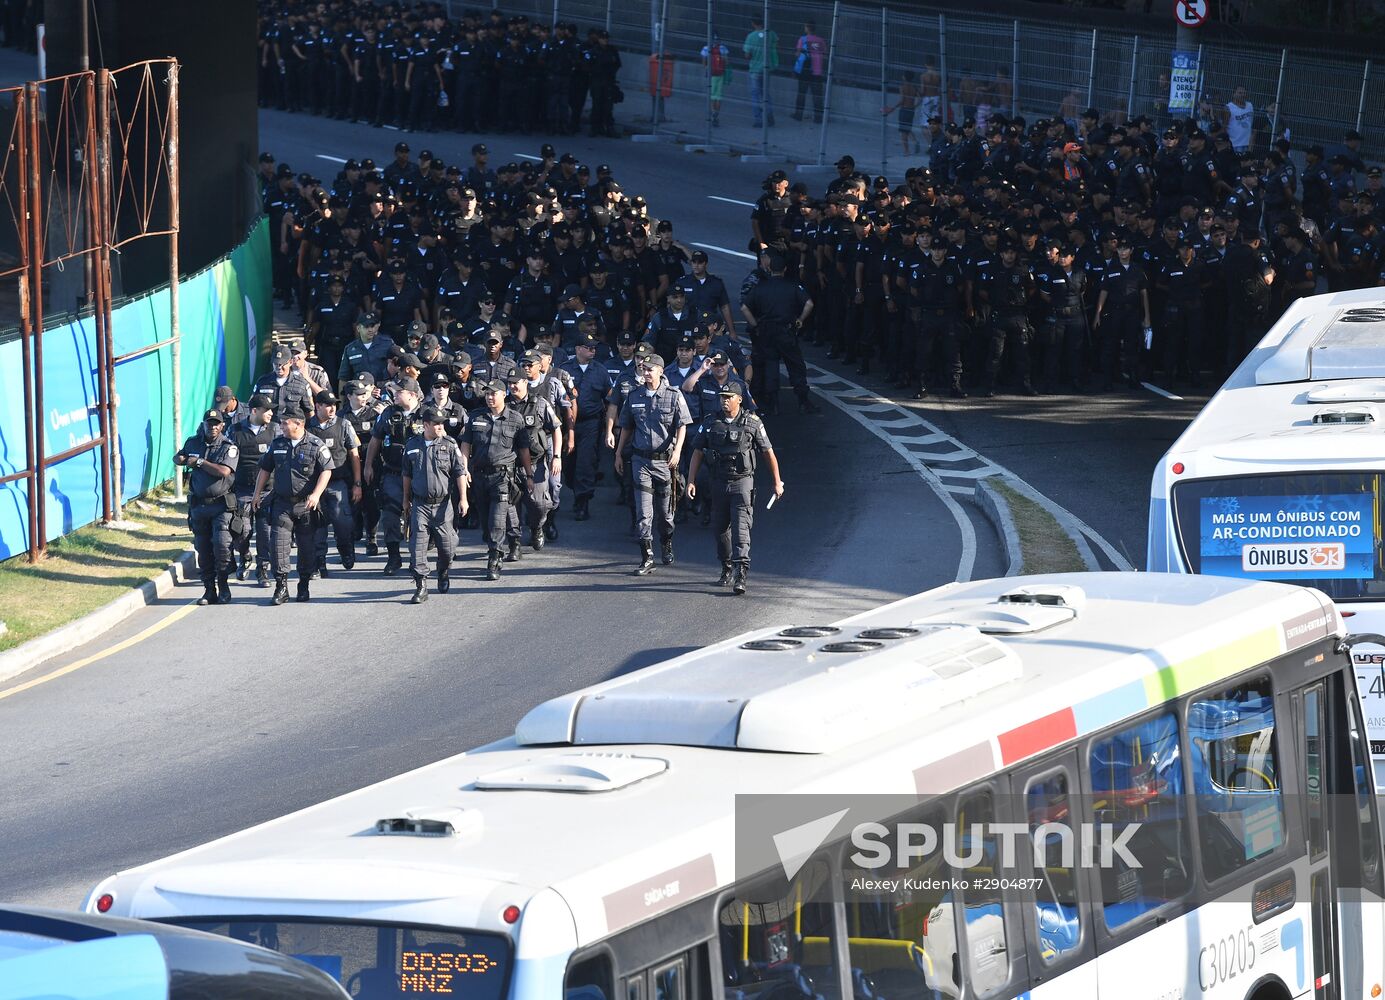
(717, 58)
(761, 48)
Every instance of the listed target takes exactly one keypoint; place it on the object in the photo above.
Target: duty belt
(433, 499)
(653, 456)
(488, 467)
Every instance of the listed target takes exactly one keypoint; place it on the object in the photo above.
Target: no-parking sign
(1190, 13)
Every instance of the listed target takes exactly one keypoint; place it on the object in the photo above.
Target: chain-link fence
(982, 63)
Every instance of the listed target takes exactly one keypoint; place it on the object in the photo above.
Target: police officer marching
(493, 440)
(300, 465)
(433, 465)
(343, 491)
(288, 390)
(544, 430)
(213, 459)
(656, 420)
(252, 437)
(728, 443)
(396, 424)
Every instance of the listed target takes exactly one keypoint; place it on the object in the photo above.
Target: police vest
(252, 448)
(731, 448)
(334, 438)
(399, 427)
(531, 410)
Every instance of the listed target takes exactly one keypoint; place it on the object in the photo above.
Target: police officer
(1125, 289)
(1007, 286)
(1248, 275)
(252, 436)
(935, 287)
(213, 458)
(1062, 289)
(433, 467)
(300, 465)
(591, 383)
(494, 439)
(1182, 281)
(343, 491)
(777, 308)
(544, 429)
(396, 424)
(288, 391)
(366, 355)
(362, 410)
(656, 420)
(728, 442)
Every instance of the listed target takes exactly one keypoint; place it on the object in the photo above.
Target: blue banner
(1183, 84)
(1302, 537)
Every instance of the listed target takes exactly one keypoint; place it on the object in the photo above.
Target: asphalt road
(229, 716)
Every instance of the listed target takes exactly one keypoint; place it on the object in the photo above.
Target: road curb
(997, 511)
(68, 637)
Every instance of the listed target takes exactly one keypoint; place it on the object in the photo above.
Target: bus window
(1365, 826)
(1240, 805)
(668, 980)
(1137, 780)
(777, 941)
(903, 944)
(1055, 904)
(988, 958)
(589, 979)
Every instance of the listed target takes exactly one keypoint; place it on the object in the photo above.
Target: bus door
(1343, 841)
(1057, 897)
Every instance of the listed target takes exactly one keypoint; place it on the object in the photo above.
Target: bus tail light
(511, 914)
(1178, 468)
(104, 902)
(1375, 990)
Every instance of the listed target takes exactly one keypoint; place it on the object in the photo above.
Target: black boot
(371, 549)
(536, 539)
(646, 565)
(725, 579)
(444, 577)
(668, 551)
(550, 526)
(393, 563)
(223, 588)
(281, 591)
(738, 582)
(302, 596)
(493, 565)
(208, 595)
(420, 589)
(348, 559)
(243, 567)
(580, 513)
(513, 554)
(261, 575)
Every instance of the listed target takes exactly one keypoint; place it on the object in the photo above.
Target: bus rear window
(381, 962)
(1317, 529)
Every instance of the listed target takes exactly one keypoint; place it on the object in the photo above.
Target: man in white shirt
(1240, 113)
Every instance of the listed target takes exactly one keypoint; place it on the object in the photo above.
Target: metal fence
(90, 166)
(1041, 66)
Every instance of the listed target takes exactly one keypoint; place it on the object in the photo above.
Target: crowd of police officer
(410, 67)
(1081, 255)
(474, 340)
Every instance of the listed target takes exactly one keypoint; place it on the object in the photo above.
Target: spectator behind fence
(761, 48)
(717, 58)
(809, 66)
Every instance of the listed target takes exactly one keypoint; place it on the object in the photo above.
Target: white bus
(1280, 476)
(602, 852)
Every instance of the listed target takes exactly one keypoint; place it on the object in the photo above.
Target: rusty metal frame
(87, 201)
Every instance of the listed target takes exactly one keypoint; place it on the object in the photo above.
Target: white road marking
(334, 159)
(526, 156)
(732, 253)
(1163, 392)
(732, 201)
(885, 420)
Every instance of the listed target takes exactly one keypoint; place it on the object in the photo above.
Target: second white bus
(1280, 476)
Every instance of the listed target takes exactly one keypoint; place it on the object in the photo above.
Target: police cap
(281, 356)
(730, 389)
(437, 379)
(410, 361)
(223, 394)
(430, 415)
(213, 417)
(326, 398)
(408, 385)
(653, 360)
(625, 337)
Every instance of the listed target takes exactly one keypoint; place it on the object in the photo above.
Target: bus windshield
(1318, 529)
(382, 962)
